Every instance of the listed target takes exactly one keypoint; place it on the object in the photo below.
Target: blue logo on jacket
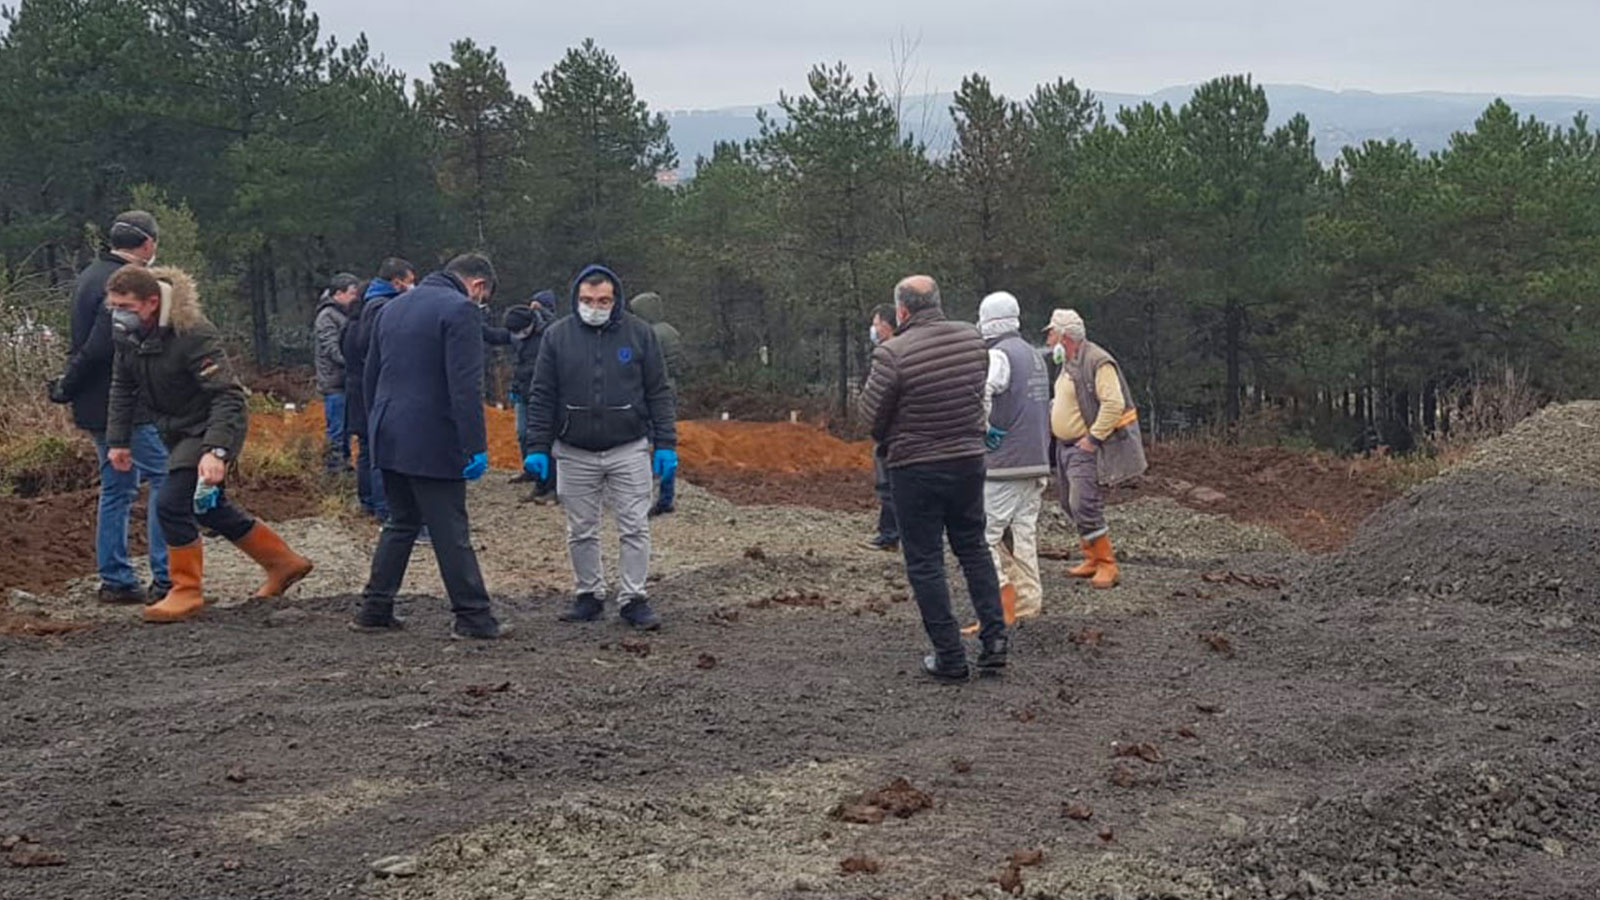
(624, 355)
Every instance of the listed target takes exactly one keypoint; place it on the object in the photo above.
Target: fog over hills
(1338, 118)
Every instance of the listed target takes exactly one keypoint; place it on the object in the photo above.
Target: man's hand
(537, 465)
(57, 395)
(121, 459)
(994, 438)
(212, 470)
(1086, 445)
(665, 463)
(475, 469)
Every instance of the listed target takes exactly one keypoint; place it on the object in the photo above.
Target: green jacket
(649, 307)
(183, 376)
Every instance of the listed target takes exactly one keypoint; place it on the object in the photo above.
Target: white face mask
(593, 316)
(872, 335)
(1059, 354)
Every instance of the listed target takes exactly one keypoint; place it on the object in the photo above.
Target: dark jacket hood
(649, 307)
(546, 299)
(617, 309)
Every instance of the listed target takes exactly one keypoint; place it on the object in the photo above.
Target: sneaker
(585, 608)
(881, 543)
(498, 631)
(425, 537)
(376, 624)
(661, 509)
(156, 592)
(519, 478)
(942, 671)
(122, 595)
(992, 657)
(637, 612)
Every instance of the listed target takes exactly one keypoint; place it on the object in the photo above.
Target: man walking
(1017, 398)
(86, 384)
(924, 402)
(600, 399)
(328, 327)
(395, 277)
(650, 307)
(1097, 439)
(888, 536)
(170, 358)
(424, 383)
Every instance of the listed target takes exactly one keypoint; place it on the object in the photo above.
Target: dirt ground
(1238, 719)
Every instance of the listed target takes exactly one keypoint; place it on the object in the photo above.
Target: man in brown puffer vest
(924, 402)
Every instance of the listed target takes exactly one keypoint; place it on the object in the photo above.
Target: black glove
(56, 394)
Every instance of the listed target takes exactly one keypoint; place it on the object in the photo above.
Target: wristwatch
(219, 452)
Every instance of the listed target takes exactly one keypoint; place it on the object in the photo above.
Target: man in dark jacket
(888, 536)
(924, 402)
(169, 357)
(600, 400)
(86, 384)
(423, 383)
(395, 277)
(527, 325)
(650, 307)
(333, 314)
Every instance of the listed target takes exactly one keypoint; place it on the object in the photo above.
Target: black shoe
(120, 595)
(661, 509)
(992, 657)
(425, 537)
(156, 592)
(881, 543)
(638, 613)
(519, 478)
(939, 671)
(584, 608)
(495, 633)
(375, 622)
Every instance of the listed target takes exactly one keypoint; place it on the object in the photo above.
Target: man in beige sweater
(1096, 428)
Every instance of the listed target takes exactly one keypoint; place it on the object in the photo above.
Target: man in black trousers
(423, 382)
(924, 401)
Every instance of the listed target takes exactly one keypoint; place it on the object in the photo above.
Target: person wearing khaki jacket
(1098, 445)
(170, 359)
(924, 402)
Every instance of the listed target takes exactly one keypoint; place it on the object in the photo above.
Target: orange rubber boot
(1085, 569)
(1105, 573)
(184, 601)
(284, 567)
(1008, 606)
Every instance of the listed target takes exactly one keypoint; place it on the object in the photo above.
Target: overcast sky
(707, 53)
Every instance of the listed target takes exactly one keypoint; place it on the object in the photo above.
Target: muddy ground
(1292, 727)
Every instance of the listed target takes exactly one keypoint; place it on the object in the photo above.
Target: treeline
(1235, 275)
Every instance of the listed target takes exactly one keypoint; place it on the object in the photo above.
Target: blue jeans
(520, 406)
(117, 493)
(337, 455)
(369, 482)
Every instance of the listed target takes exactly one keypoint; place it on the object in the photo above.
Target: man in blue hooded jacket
(395, 277)
(599, 400)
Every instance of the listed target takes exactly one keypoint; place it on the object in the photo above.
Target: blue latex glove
(665, 463)
(476, 468)
(537, 465)
(206, 497)
(993, 437)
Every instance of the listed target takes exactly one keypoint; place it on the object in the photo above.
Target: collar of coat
(921, 317)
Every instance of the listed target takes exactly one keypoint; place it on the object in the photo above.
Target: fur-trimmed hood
(180, 300)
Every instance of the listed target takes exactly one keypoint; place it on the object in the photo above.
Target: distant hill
(1338, 118)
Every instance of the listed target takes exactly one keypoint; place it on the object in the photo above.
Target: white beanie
(1067, 322)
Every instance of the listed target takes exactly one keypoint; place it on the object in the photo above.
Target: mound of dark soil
(1488, 537)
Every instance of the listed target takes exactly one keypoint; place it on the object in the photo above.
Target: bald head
(917, 293)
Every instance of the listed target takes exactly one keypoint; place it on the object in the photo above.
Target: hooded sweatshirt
(600, 388)
(651, 308)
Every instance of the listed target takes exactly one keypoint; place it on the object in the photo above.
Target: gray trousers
(1078, 486)
(588, 483)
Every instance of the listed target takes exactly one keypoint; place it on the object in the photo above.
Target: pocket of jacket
(601, 427)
